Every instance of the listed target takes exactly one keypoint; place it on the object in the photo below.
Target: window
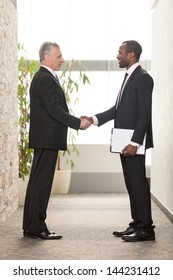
(90, 31)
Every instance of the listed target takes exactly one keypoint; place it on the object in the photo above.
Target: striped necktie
(121, 91)
(56, 77)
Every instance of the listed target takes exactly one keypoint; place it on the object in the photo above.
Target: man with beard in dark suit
(133, 110)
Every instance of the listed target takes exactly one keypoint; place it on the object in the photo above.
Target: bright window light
(89, 30)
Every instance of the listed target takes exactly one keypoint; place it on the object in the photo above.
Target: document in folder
(121, 138)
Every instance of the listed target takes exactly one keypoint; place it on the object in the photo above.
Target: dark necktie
(121, 91)
(56, 77)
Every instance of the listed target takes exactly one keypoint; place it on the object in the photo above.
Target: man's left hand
(129, 151)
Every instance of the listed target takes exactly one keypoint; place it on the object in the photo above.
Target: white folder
(121, 138)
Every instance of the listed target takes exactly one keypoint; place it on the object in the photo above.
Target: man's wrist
(95, 120)
(135, 144)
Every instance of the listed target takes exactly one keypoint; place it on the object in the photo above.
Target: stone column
(8, 109)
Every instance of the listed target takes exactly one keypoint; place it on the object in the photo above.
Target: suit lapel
(127, 83)
(43, 69)
(131, 77)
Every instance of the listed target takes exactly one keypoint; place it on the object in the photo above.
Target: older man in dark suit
(133, 110)
(49, 120)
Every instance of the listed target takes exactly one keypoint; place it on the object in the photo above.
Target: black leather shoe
(26, 233)
(140, 235)
(128, 231)
(48, 235)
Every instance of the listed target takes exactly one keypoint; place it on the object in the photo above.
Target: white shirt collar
(132, 68)
(49, 69)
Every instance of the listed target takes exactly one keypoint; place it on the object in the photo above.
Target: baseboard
(162, 207)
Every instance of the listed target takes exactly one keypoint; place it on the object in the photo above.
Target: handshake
(85, 122)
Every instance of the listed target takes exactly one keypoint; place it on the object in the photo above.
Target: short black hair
(134, 46)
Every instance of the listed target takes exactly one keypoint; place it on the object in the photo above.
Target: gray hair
(45, 48)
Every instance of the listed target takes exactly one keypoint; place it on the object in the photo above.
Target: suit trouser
(138, 189)
(39, 189)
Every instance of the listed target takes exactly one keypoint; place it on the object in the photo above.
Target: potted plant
(70, 84)
(26, 70)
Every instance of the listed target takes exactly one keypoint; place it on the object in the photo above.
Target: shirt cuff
(134, 144)
(95, 120)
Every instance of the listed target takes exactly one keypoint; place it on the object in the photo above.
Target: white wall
(95, 158)
(96, 170)
(162, 72)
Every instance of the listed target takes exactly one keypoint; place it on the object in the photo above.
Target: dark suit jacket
(49, 114)
(135, 109)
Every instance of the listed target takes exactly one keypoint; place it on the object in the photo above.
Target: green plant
(26, 70)
(70, 84)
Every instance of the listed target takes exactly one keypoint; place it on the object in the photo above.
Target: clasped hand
(129, 151)
(85, 122)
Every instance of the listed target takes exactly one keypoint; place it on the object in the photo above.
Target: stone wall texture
(8, 110)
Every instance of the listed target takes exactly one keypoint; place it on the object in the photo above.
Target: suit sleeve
(106, 116)
(144, 107)
(53, 100)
